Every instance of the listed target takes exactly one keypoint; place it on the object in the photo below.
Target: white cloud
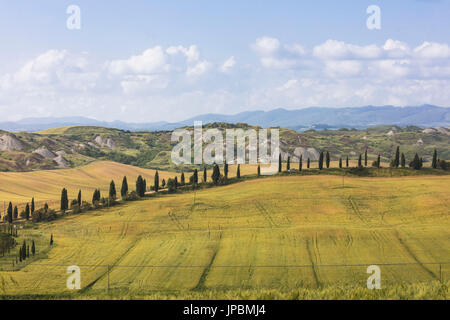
(343, 68)
(198, 69)
(192, 53)
(228, 65)
(333, 49)
(266, 46)
(433, 50)
(151, 61)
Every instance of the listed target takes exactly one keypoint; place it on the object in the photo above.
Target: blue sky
(169, 60)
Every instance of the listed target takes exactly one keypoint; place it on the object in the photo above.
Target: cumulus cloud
(228, 65)
(152, 60)
(179, 82)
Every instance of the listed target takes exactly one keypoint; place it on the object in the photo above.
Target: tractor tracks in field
(267, 216)
(312, 258)
(201, 282)
(413, 256)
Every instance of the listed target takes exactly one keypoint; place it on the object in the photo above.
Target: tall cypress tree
(434, 162)
(403, 160)
(279, 163)
(27, 212)
(300, 163)
(225, 169)
(33, 248)
(140, 186)
(205, 176)
(32, 205)
(195, 177)
(379, 162)
(124, 188)
(79, 198)
(346, 162)
(10, 213)
(16, 213)
(340, 163)
(216, 174)
(238, 171)
(321, 161)
(156, 182)
(328, 160)
(64, 200)
(259, 171)
(112, 190)
(288, 165)
(182, 181)
(360, 161)
(308, 163)
(397, 157)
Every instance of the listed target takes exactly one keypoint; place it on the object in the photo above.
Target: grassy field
(266, 238)
(45, 186)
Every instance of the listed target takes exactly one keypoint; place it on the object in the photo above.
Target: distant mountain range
(300, 120)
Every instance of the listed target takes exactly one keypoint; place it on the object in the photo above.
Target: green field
(277, 237)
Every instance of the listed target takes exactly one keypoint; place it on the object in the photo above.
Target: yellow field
(277, 233)
(45, 186)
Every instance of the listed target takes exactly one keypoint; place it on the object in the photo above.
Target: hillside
(267, 237)
(74, 146)
(46, 185)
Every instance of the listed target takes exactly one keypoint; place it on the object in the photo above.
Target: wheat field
(261, 235)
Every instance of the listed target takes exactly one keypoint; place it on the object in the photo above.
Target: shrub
(43, 214)
(132, 196)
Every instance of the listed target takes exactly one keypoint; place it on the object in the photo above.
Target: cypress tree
(140, 186)
(403, 160)
(176, 182)
(112, 190)
(288, 165)
(340, 163)
(259, 170)
(216, 174)
(79, 198)
(182, 181)
(308, 163)
(16, 213)
(20, 254)
(346, 162)
(321, 161)
(28, 252)
(328, 160)
(360, 161)
(163, 183)
(195, 177)
(32, 205)
(397, 157)
(24, 250)
(33, 248)
(365, 158)
(64, 200)
(156, 182)
(225, 169)
(9, 216)
(51, 239)
(434, 162)
(205, 177)
(300, 163)
(27, 212)
(279, 163)
(238, 172)
(379, 162)
(415, 164)
(124, 189)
